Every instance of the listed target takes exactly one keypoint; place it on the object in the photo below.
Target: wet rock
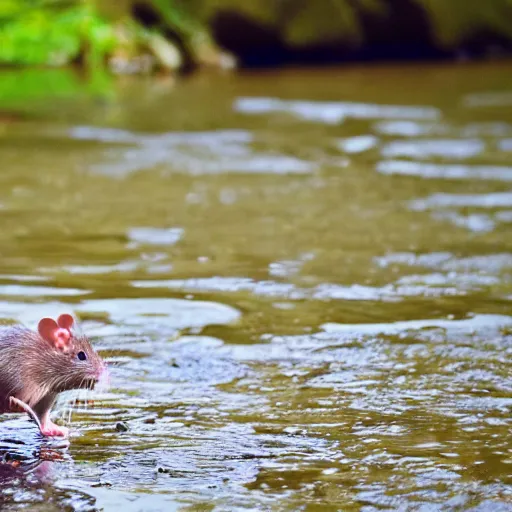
(167, 55)
(121, 427)
(127, 57)
(207, 53)
(101, 484)
(124, 65)
(171, 472)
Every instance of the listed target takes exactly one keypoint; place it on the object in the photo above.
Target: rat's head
(70, 361)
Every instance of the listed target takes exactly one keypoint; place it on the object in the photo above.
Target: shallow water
(302, 281)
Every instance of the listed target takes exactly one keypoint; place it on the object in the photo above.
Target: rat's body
(36, 366)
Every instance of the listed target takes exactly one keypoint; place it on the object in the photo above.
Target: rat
(36, 366)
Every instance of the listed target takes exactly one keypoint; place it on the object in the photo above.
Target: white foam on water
(446, 200)
(447, 148)
(333, 112)
(478, 323)
(445, 171)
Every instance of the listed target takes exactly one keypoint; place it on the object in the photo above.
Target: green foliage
(176, 17)
(38, 32)
(32, 86)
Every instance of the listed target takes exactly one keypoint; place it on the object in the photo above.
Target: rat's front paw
(52, 430)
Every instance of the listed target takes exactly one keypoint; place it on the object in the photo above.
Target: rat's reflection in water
(27, 459)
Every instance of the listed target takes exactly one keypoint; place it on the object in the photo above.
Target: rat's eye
(81, 355)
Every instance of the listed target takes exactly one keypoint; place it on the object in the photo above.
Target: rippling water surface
(302, 281)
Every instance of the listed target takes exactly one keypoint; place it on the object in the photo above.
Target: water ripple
(445, 171)
(333, 112)
(193, 153)
(455, 148)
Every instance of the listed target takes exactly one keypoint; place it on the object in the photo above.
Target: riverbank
(128, 37)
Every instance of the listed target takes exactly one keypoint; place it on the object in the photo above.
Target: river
(301, 280)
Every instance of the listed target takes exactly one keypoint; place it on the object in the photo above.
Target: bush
(39, 32)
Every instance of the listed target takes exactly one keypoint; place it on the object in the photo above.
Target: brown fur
(35, 371)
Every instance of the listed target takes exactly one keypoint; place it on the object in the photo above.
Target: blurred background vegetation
(127, 36)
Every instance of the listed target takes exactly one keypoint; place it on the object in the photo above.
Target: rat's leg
(46, 425)
(48, 428)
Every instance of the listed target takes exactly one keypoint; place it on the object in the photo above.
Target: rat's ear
(53, 334)
(66, 321)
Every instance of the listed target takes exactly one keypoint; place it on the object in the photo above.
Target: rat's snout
(103, 377)
(90, 383)
(95, 379)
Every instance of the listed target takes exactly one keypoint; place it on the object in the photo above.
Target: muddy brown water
(301, 279)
